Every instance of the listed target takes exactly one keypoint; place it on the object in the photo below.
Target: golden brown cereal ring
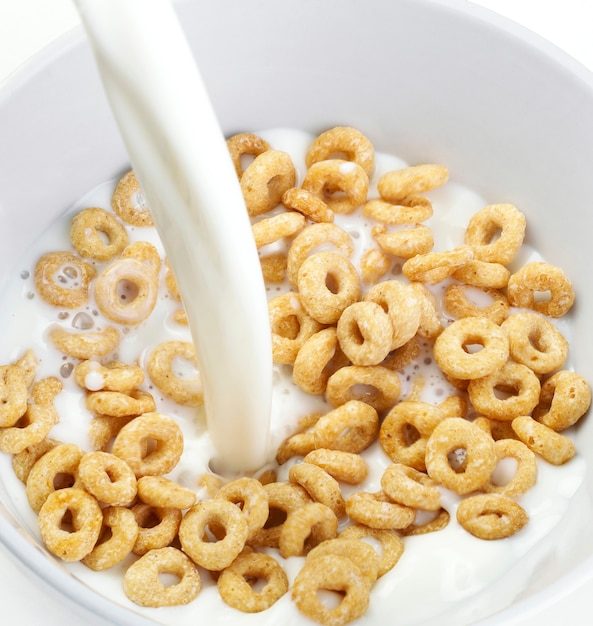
(376, 510)
(143, 251)
(362, 554)
(121, 530)
(104, 428)
(235, 583)
(108, 478)
(63, 279)
(31, 429)
(550, 445)
(525, 475)
(345, 467)
(214, 556)
(458, 303)
(163, 493)
(565, 397)
(171, 283)
(346, 142)
(274, 267)
(90, 228)
(434, 267)
(453, 406)
(539, 277)
(430, 325)
(143, 584)
(374, 264)
(307, 203)
(402, 356)
(245, 144)
(119, 404)
(496, 233)
(272, 229)
(405, 485)
(157, 527)
(497, 429)
(28, 363)
(342, 185)
(331, 573)
(479, 456)
(184, 391)
(266, 179)
(483, 274)
(128, 202)
(130, 445)
(299, 444)
(392, 547)
(454, 360)
(14, 394)
(376, 385)
(87, 344)
(23, 461)
(305, 528)
(251, 497)
(93, 376)
(411, 210)
(319, 485)
(438, 522)
(410, 181)
(491, 516)
(406, 242)
(351, 427)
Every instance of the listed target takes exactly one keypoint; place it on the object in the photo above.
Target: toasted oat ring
(274, 228)
(342, 185)
(410, 181)
(405, 485)
(122, 533)
(171, 283)
(351, 427)
(307, 203)
(537, 277)
(160, 368)
(32, 428)
(403, 356)
(28, 363)
(365, 333)
(491, 516)
(126, 291)
(266, 179)
(128, 202)
(104, 428)
(120, 404)
(273, 267)
(251, 497)
(483, 274)
(550, 445)
(411, 210)
(434, 267)
(143, 585)
(525, 475)
(362, 554)
(164, 493)
(430, 325)
(143, 251)
(62, 279)
(305, 528)
(456, 433)
(458, 303)
(376, 385)
(438, 522)
(331, 573)
(497, 429)
(376, 510)
(496, 233)
(565, 397)
(157, 527)
(374, 264)
(319, 485)
(214, 556)
(345, 467)
(245, 144)
(130, 444)
(85, 345)
(391, 545)
(94, 376)
(108, 478)
(14, 394)
(23, 461)
(342, 141)
(89, 229)
(454, 360)
(406, 242)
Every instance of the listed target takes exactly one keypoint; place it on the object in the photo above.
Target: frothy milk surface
(439, 574)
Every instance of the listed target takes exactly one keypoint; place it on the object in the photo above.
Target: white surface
(28, 25)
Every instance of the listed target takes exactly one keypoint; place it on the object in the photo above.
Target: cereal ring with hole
(345, 467)
(363, 555)
(346, 142)
(538, 278)
(298, 444)
(376, 385)
(453, 406)
(376, 510)
(104, 428)
(525, 475)
(163, 493)
(23, 461)
(467, 301)
(374, 264)
(402, 356)
(495, 428)
(307, 203)
(108, 478)
(430, 325)
(162, 370)
(342, 185)
(405, 242)
(410, 210)
(265, 180)
(410, 181)
(157, 527)
(305, 528)
(434, 267)
(130, 444)
(236, 582)
(565, 397)
(405, 485)
(274, 228)
(273, 267)
(550, 445)
(85, 345)
(144, 586)
(145, 252)
(63, 279)
(508, 392)
(96, 234)
(32, 428)
(452, 348)
(319, 485)
(128, 202)
(215, 555)
(351, 427)
(120, 404)
(86, 521)
(251, 497)
(437, 522)
(455, 434)
(491, 516)
(483, 274)
(496, 233)
(93, 376)
(390, 545)
(243, 145)
(14, 394)
(126, 291)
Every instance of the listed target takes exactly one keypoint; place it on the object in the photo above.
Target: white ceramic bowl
(429, 80)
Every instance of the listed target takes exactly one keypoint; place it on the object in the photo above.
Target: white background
(26, 26)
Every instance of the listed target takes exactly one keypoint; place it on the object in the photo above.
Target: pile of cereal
(347, 329)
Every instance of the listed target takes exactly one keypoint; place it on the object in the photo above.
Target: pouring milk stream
(180, 158)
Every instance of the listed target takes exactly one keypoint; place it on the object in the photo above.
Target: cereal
(144, 252)
(410, 210)
(458, 303)
(491, 516)
(550, 445)
(157, 527)
(90, 228)
(23, 461)
(31, 429)
(94, 376)
(565, 397)
(376, 510)
(306, 528)
(128, 202)
(405, 242)
(245, 144)
(438, 522)
(119, 404)
(274, 228)
(104, 428)
(392, 547)
(374, 264)
(62, 279)
(430, 325)
(525, 475)
(484, 274)
(108, 478)
(320, 486)
(410, 181)
(274, 267)
(249, 494)
(307, 203)
(345, 467)
(163, 493)
(408, 486)
(13, 395)
(434, 267)
(84, 345)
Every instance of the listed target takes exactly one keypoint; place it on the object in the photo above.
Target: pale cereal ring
(405, 485)
(430, 325)
(157, 527)
(406, 242)
(411, 210)
(483, 274)
(265, 180)
(272, 229)
(120, 530)
(377, 511)
(525, 475)
(251, 497)
(434, 267)
(128, 202)
(331, 573)
(319, 485)
(453, 406)
(31, 429)
(96, 234)
(143, 251)
(114, 376)
(307, 203)
(28, 363)
(539, 277)
(161, 370)
(23, 461)
(298, 444)
(143, 584)
(273, 267)
(84, 345)
(171, 283)
(306, 528)
(108, 478)
(14, 394)
(351, 427)
(217, 555)
(345, 467)
(550, 445)
(342, 185)
(343, 141)
(496, 233)
(120, 404)
(565, 397)
(245, 144)
(180, 317)
(402, 356)
(438, 522)
(104, 428)
(455, 360)
(62, 279)
(376, 385)
(479, 457)
(130, 445)
(164, 493)
(374, 264)
(126, 291)
(491, 516)
(236, 588)
(460, 301)
(410, 181)
(390, 543)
